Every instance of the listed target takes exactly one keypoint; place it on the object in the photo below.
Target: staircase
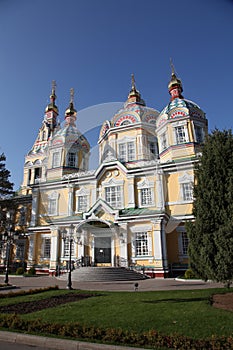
(104, 274)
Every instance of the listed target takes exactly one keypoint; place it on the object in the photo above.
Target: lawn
(188, 313)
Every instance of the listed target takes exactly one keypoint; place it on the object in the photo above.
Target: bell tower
(35, 160)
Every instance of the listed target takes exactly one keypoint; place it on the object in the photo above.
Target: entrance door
(102, 250)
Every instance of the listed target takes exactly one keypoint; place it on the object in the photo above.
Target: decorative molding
(113, 182)
(145, 183)
(186, 178)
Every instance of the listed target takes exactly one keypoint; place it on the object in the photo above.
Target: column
(70, 200)
(31, 249)
(35, 193)
(159, 189)
(164, 245)
(160, 244)
(131, 195)
(123, 240)
(93, 194)
(32, 180)
(54, 254)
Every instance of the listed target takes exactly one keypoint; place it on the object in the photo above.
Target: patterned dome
(69, 134)
(133, 111)
(179, 108)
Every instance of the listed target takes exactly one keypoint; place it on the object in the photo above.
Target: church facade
(131, 210)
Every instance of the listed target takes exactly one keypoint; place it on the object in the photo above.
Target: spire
(134, 94)
(51, 111)
(175, 85)
(70, 113)
(51, 106)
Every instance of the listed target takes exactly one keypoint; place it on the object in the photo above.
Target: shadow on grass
(176, 300)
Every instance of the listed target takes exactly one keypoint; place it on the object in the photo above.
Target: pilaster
(131, 195)
(70, 200)
(35, 194)
(54, 255)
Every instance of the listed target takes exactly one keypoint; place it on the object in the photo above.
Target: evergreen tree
(6, 187)
(211, 235)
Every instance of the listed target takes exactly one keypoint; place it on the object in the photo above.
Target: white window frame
(141, 244)
(72, 159)
(53, 203)
(66, 249)
(56, 159)
(185, 137)
(46, 247)
(183, 242)
(126, 150)
(113, 186)
(180, 134)
(149, 186)
(82, 193)
(187, 191)
(184, 181)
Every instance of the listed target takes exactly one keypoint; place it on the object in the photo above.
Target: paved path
(26, 283)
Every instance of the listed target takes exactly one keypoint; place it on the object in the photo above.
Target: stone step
(98, 274)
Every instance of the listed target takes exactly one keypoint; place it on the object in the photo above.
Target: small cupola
(71, 113)
(51, 110)
(175, 85)
(134, 95)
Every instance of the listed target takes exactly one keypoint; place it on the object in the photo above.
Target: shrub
(20, 271)
(189, 274)
(149, 338)
(31, 271)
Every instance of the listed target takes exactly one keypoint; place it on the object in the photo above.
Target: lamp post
(8, 238)
(69, 236)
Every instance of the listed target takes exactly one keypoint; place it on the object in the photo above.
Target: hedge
(150, 338)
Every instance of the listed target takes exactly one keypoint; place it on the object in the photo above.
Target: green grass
(184, 312)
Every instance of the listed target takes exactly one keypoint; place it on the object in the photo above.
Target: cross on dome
(175, 85)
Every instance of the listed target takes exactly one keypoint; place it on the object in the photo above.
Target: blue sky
(94, 46)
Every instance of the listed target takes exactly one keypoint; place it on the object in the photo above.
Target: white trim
(126, 139)
(145, 183)
(140, 228)
(113, 182)
(185, 178)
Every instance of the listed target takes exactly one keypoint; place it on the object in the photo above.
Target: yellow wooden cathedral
(131, 210)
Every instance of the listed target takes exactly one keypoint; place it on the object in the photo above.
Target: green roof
(137, 212)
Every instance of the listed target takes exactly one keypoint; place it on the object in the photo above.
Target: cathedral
(130, 211)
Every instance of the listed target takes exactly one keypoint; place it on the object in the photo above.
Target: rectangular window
(185, 243)
(180, 134)
(163, 141)
(142, 244)
(66, 247)
(20, 250)
(126, 152)
(146, 196)
(187, 189)
(71, 159)
(122, 152)
(2, 250)
(113, 196)
(198, 134)
(47, 248)
(82, 203)
(56, 156)
(52, 206)
(131, 151)
(152, 149)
